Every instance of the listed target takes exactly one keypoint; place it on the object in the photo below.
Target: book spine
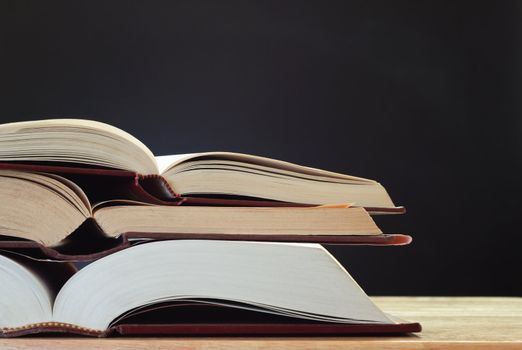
(157, 189)
(48, 327)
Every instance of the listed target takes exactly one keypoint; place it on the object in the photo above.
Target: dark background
(423, 96)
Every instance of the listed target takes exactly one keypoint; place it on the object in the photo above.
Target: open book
(89, 144)
(47, 208)
(296, 284)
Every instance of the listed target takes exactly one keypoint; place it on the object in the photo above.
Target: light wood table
(449, 323)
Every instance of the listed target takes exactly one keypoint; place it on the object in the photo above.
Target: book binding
(75, 250)
(217, 329)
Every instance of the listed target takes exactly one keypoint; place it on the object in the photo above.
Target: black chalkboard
(424, 96)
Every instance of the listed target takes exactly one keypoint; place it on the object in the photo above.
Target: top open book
(90, 144)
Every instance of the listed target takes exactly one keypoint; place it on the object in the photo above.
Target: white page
(303, 278)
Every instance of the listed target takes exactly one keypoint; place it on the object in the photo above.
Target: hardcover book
(191, 287)
(55, 213)
(79, 147)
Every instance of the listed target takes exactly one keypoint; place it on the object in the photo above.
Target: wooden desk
(449, 323)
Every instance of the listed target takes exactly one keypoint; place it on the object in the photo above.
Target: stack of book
(204, 243)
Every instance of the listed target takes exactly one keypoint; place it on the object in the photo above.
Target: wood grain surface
(448, 323)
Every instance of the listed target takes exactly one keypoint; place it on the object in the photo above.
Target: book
(47, 208)
(263, 288)
(92, 147)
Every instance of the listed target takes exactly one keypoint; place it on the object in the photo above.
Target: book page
(76, 141)
(25, 297)
(166, 162)
(175, 160)
(299, 280)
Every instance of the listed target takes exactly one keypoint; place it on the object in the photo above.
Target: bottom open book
(191, 287)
